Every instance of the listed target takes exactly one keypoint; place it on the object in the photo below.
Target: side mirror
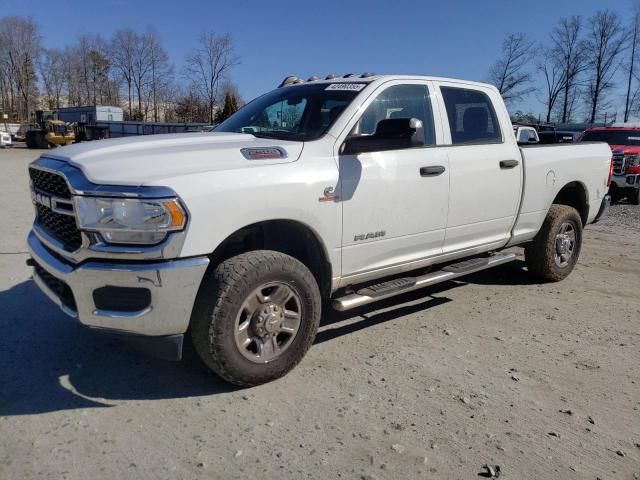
(390, 134)
(526, 135)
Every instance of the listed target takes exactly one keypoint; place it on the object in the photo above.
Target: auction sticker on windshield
(352, 87)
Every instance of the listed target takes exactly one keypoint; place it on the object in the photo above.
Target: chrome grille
(55, 215)
(618, 163)
(49, 183)
(60, 226)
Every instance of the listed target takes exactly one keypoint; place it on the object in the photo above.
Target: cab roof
(371, 78)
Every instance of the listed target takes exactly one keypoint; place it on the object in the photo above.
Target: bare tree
(122, 53)
(97, 86)
(569, 51)
(72, 65)
(551, 68)
(141, 72)
(509, 74)
(161, 73)
(208, 66)
(633, 40)
(189, 106)
(604, 43)
(52, 73)
(21, 47)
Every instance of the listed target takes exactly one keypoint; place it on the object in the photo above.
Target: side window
(472, 118)
(398, 101)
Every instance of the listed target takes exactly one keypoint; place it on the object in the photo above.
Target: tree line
(577, 68)
(130, 69)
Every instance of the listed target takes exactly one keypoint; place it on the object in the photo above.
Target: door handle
(508, 164)
(432, 171)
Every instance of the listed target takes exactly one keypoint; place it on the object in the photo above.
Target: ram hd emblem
(369, 236)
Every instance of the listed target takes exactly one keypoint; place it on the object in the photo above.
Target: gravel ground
(540, 379)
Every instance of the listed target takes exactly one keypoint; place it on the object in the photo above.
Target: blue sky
(278, 38)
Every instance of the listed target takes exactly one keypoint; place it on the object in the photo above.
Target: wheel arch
(290, 237)
(574, 194)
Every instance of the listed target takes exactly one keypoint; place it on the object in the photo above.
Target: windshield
(613, 137)
(300, 112)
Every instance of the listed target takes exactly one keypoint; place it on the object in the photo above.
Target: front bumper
(631, 181)
(172, 286)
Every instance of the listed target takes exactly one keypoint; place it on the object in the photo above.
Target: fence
(130, 129)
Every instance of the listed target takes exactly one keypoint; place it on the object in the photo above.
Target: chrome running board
(397, 286)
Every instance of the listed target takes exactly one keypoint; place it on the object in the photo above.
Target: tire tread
(228, 282)
(539, 253)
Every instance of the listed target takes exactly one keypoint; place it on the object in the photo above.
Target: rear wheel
(256, 316)
(554, 252)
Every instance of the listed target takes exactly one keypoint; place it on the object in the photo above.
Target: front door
(394, 202)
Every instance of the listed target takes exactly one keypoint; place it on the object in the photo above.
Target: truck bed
(547, 169)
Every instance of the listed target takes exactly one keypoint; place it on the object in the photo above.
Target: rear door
(485, 167)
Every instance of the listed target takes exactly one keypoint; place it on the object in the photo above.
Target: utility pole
(627, 106)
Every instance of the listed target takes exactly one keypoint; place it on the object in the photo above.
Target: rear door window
(471, 116)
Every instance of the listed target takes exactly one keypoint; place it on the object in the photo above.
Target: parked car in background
(5, 140)
(625, 144)
(557, 136)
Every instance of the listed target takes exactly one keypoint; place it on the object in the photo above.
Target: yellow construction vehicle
(48, 131)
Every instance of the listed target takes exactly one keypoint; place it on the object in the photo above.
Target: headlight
(632, 160)
(126, 220)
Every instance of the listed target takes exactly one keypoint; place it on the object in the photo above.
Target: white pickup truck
(337, 192)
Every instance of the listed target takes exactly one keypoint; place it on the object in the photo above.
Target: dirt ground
(540, 379)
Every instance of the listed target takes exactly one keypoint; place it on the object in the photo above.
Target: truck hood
(140, 160)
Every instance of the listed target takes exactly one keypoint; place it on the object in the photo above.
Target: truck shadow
(512, 273)
(49, 363)
(380, 312)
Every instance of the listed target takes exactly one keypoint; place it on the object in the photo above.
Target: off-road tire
(539, 254)
(224, 289)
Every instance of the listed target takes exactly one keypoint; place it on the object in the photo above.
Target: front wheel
(634, 198)
(256, 316)
(554, 252)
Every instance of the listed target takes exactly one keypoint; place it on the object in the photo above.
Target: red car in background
(625, 145)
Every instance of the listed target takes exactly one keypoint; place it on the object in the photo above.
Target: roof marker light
(290, 80)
